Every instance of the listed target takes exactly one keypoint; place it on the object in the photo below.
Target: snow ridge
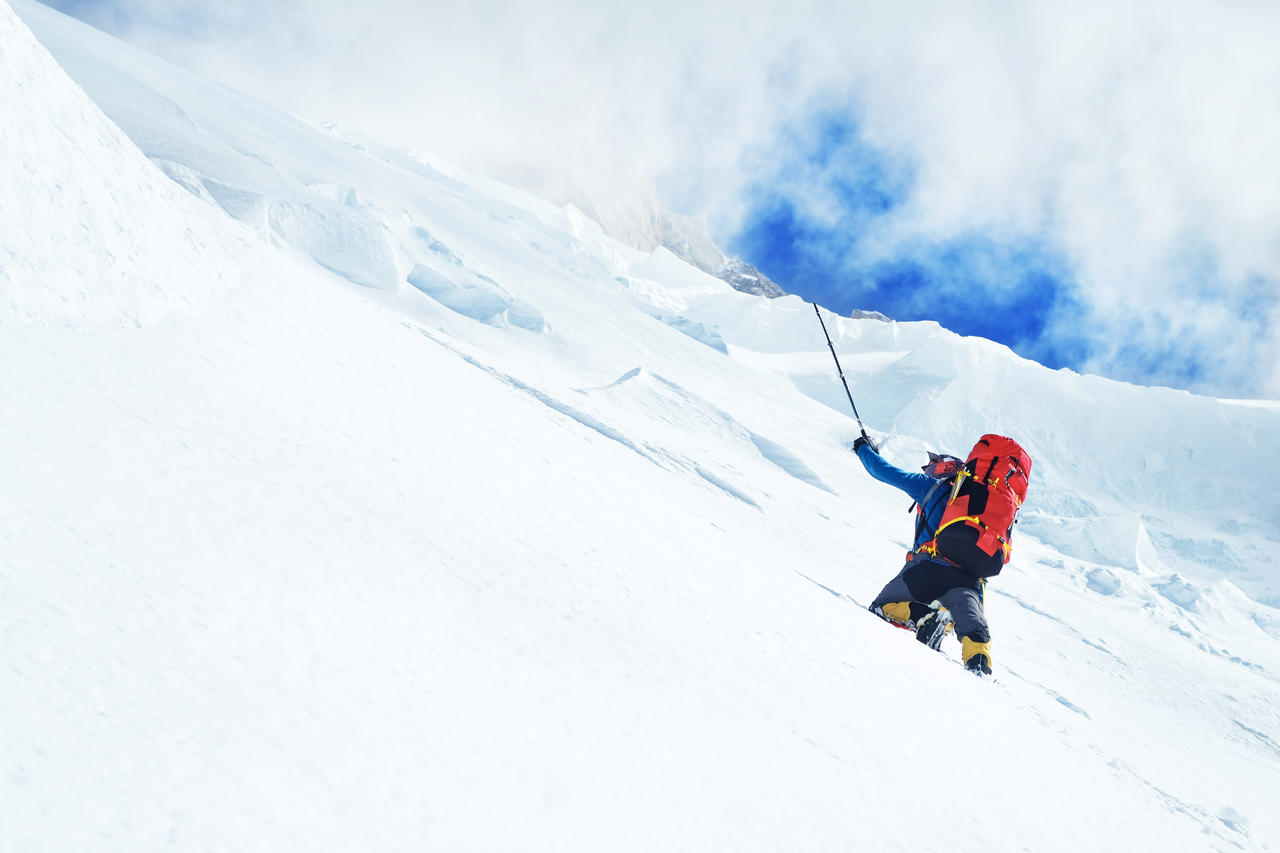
(117, 247)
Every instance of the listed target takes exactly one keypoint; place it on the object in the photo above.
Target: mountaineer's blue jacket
(917, 487)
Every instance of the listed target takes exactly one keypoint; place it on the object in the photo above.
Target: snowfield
(354, 503)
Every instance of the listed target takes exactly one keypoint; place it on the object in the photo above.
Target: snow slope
(103, 247)
(392, 509)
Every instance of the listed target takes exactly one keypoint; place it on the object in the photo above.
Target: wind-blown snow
(436, 519)
(103, 246)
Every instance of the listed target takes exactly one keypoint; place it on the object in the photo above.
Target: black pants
(923, 581)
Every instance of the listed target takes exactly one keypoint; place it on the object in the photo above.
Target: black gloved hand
(865, 439)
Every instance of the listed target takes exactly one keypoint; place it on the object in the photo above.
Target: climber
(965, 512)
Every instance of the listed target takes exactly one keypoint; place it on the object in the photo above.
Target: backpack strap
(922, 523)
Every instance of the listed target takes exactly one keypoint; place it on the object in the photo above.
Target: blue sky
(1016, 285)
(1094, 185)
(1020, 293)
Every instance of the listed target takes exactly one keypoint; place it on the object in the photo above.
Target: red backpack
(978, 522)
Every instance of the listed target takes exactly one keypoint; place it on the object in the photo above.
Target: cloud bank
(1103, 173)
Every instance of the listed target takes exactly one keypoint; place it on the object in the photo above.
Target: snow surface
(354, 503)
(76, 258)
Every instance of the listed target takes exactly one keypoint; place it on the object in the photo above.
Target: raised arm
(916, 486)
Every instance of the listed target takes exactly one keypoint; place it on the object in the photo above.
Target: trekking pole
(843, 381)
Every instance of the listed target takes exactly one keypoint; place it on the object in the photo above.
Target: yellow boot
(977, 656)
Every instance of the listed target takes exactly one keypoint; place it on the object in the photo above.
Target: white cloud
(1138, 137)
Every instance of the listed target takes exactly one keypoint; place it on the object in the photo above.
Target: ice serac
(94, 233)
